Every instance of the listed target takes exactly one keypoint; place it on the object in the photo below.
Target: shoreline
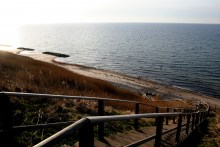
(135, 84)
(166, 92)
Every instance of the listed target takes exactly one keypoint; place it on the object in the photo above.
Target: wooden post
(156, 111)
(174, 118)
(209, 110)
(6, 121)
(204, 115)
(197, 119)
(187, 123)
(159, 129)
(137, 105)
(179, 125)
(167, 118)
(201, 117)
(193, 121)
(101, 112)
(86, 135)
(184, 111)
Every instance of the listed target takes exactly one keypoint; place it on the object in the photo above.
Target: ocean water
(183, 55)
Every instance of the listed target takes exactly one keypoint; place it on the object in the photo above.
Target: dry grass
(23, 74)
(28, 75)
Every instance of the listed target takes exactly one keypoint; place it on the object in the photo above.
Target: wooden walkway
(125, 138)
(85, 126)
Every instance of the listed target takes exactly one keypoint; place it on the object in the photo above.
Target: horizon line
(121, 23)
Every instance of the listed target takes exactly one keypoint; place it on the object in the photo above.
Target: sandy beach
(142, 86)
(166, 92)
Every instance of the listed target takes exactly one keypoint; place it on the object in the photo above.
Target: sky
(16, 12)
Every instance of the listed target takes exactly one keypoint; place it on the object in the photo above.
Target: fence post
(197, 120)
(184, 111)
(174, 110)
(187, 123)
(156, 111)
(204, 115)
(136, 112)
(86, 135)
(101, 112)
(159, 129)
(201, 117)
(179, 125)
(193, 121)
(167, 118)
(6, 121)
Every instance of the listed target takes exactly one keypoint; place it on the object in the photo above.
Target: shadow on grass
(195, 139)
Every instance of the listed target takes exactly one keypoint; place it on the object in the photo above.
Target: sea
(181, 55)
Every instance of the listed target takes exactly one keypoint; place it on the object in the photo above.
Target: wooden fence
(85, 126)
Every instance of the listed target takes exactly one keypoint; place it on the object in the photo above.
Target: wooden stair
(123, 139)
(128, 137)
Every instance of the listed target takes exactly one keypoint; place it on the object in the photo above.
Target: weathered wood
(101, 112)
(184, 111)
(205, 115)
(174, 118)
(86, 135)
(187, 123)
(6, 121)
(65, 132)
(136, 126)
(156, 111)
(197, 120)
(201, 117)
(179, 127)
(159, 131)
(86, 127)
(193, 121)
(167, 118)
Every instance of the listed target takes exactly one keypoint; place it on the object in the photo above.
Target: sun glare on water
(9, 37)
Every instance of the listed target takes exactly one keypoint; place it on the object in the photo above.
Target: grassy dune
(23, 74)
(27, 75)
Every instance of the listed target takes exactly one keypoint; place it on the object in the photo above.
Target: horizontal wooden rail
(96, 119)
(63, 133)
(99, 119)
(37, 95)
(40, 126)
(85, 126)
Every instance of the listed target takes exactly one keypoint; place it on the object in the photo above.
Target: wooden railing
(85, 126)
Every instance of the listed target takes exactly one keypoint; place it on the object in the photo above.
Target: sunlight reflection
(9, 36)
